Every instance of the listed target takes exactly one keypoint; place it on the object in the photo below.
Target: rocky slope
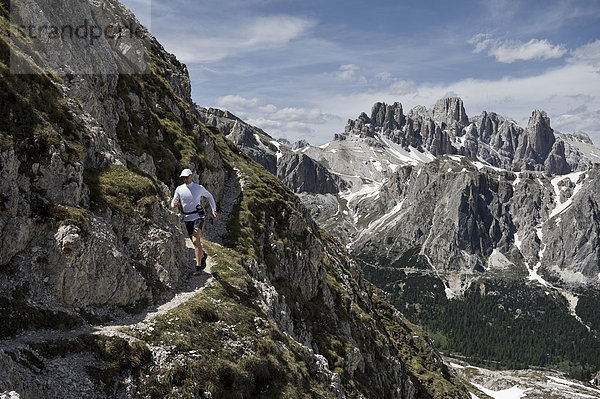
(523, 383)
(88, 160)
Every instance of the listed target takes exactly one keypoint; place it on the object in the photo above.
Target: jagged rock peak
(218, 113)
(387, 118)
(449, 110)
(540, 134)
(300, 144)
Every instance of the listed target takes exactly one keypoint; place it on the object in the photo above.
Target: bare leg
(197, 245)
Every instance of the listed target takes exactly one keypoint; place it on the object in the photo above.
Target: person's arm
(175, 200)
(211, 200)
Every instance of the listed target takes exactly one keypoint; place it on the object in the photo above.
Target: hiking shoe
(203, 261)
(198, 269)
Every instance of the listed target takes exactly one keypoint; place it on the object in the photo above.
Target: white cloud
(384, 77)
(243, 106)
(347, 72)
(289, 122)
(508, 51)
(312, 116)
(402, 87)
(273, 31)
(588, 53)
(250, 35)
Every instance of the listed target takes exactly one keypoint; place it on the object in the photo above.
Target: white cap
(186, 173)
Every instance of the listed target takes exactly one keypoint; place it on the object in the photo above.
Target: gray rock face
(536, 142)
(255, 142)
(450, 112)
(306, 175)
(459, 216)
(54, 240)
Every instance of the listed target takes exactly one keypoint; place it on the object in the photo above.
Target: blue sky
(301, 69)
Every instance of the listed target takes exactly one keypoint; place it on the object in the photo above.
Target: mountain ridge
(439, 207)
(88, 164)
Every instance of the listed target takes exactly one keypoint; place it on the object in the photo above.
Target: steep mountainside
(88, 162)
(458, 217)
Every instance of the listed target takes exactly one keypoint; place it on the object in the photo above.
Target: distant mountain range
(439, 205)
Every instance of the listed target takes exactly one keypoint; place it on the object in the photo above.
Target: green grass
(65, 214)
(121, 189)
(226, 346)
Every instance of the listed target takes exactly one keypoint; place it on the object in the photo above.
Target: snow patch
(572, 300)
(458, 142)
(561, 207)
(497, 260)
(376, 226)
(533, 272)
(570, 384)
(482, 164)
(449, 293)
(277, 145)
(518, 242)
(410, 157)
(377, 165)
(366, 191)
(517, 180)
(510, 393)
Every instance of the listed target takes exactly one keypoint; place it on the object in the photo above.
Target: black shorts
(194, 224)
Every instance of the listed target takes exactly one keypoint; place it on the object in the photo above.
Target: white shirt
(190, 195)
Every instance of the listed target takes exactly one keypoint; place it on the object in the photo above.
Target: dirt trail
(193, 284)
